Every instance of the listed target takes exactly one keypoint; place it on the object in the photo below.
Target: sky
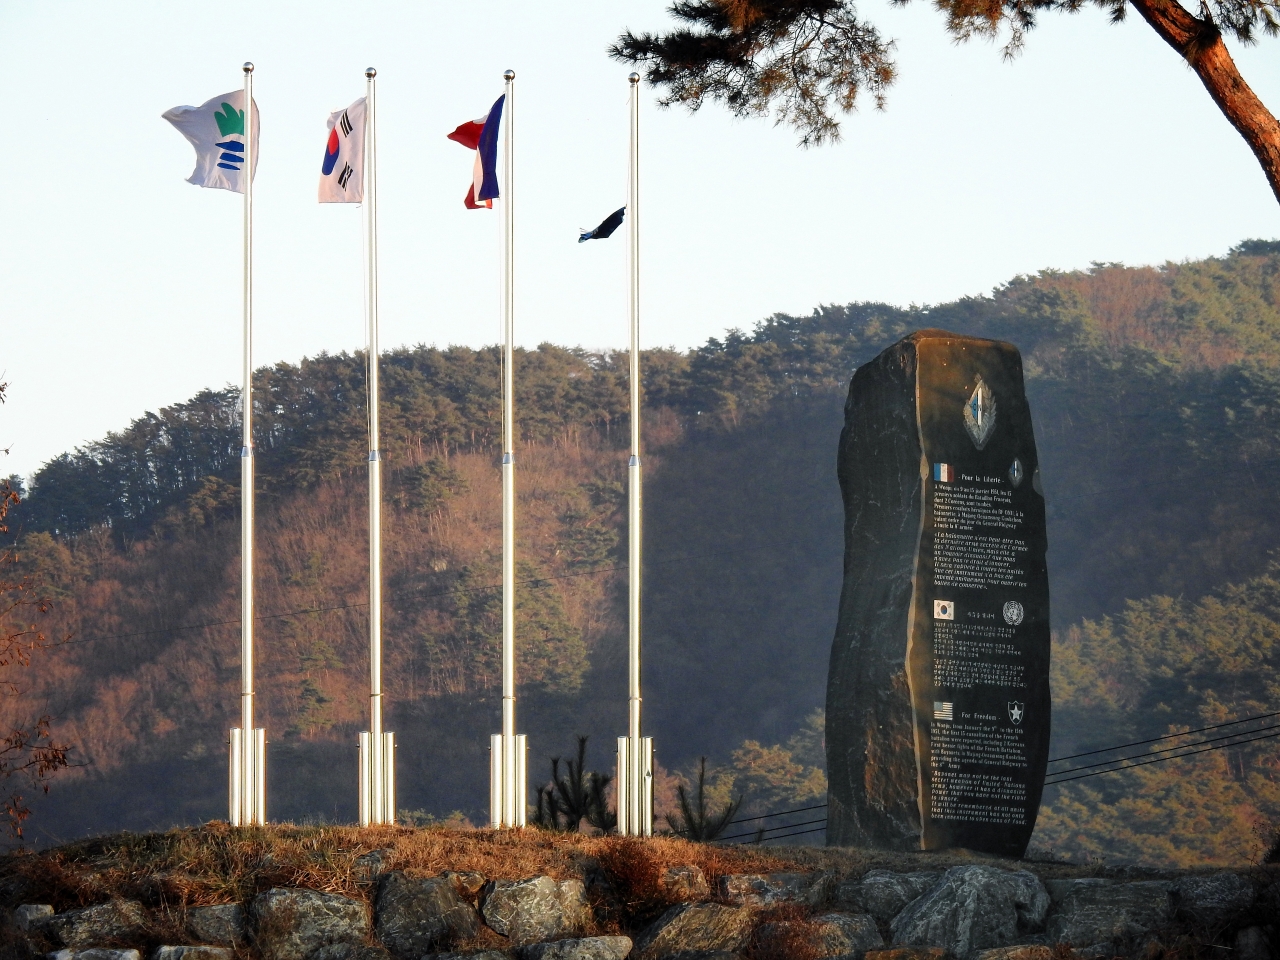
(121, 282)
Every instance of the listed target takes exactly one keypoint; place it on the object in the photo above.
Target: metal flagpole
(635, 752)
(377, 747)
(248, 794)
(508, 751)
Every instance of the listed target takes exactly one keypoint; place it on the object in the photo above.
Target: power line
(1184, 746)
(785, 826)
(798, 833)
(1167, 736)
(1143, 763)
(780, 813)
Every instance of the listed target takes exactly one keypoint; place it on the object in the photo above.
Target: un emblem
(1013, 613)
(980, 414)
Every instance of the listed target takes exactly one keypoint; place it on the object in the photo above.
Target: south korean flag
(342, 173)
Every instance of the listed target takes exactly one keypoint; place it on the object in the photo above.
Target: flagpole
(377, 747)
(248, 743)
(635, 752)
(508, 750)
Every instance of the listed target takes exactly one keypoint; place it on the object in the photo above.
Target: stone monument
(938, 693)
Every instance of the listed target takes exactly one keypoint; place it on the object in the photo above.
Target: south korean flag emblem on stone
(944, 610)
(1017, 710)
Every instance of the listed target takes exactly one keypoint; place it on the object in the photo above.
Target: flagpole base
(377, 780)
(635, 786)
(247, 793)
(507, 776)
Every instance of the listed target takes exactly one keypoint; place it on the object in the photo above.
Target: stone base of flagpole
(247, 799)
(508, 804)
(377, 779)
(635, 786)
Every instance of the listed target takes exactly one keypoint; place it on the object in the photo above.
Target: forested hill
(1156, 398)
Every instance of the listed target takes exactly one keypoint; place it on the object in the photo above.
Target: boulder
(413, 917)
(1213, 900)
(856, 933)
(115, 920)
(906, 953)
(369, 865)
(704, 955)
(221, 923)
(350, 951)
(482, 955)
(533, 910)
(1251, 944)
(685, 883)
(468, 882)
(1095, 913)
(973, 908)
(1025, 951)
(830, 935)
(96, 953)
(757, 890)
(293, 924)
(694, 927)
(883, 894)
(29, 916)
(193, 953)
(587, 948)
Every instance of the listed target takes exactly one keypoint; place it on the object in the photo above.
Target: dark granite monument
(938, 693)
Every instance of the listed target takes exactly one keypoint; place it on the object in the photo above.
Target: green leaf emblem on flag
(230, 120)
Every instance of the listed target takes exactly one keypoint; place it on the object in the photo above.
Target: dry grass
(217, 863)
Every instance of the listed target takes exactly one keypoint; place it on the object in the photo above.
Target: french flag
(482, 137)
(943, 473)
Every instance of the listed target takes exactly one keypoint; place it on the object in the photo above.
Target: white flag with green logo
(216, 130)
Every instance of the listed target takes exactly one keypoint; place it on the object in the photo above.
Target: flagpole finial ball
(248, 67)
(633, 77)
(509, 76)
(370, 72)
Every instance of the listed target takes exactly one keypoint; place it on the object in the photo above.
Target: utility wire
(798, 833)
(1167, 736)
(1184, 746)
(780, 813)
(785, 826)
(1143, 763)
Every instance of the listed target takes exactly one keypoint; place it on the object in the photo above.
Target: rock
(413, 917)
(831, 935)
(756, 890)
(533, 910)
(222, 923)
(1213, 900)
(1059, 890)
(369, 865)
(1092, 913)
(704, 955)
(468, 882)
(96, 953)
(933, 743)
(857, 933)
(883, 893)
(1026, 951)
(293, 924)
(482, 955)
(587, 948)
(685, 883)
(28, 916)
(973, 908)
(350, 951)
(115, 920)
(694, 927)
(193, 953)
(906, 953)
(1251, 944)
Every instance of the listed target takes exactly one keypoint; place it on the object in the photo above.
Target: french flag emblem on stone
(943, 473)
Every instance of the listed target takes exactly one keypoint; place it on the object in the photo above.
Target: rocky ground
(326, 893)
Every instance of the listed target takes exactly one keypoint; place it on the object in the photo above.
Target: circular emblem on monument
(1016, 473)
(1013, 613)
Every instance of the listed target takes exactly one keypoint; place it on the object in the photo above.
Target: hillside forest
(1156, 398)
